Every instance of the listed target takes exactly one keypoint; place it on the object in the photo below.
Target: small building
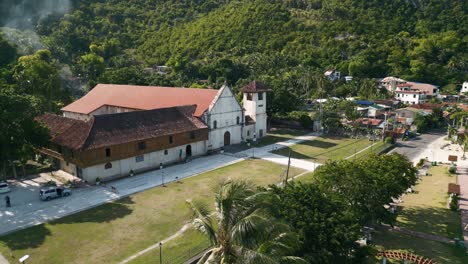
(464, 88)
(333, 75)
(407, 115)
(411, 97)
(390, 83)
(428, 89)
(375, 110)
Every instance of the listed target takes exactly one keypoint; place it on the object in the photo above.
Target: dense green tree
(38, 75)
(368, 184)
(327, 229)
(20, 134)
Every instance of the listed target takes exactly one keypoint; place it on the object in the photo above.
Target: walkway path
(362, 150)
(418, 234)
(27, 210)
(3, 260)
(463, 203)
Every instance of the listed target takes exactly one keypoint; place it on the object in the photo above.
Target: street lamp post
(162, 174)
(253, 144)
(160, 253)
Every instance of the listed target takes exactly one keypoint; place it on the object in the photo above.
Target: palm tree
(240, 231)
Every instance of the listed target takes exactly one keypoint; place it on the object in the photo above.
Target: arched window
(215, 124)
(108, 165)
(237, 120)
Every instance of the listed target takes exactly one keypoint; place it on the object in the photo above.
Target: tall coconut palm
(240, 231)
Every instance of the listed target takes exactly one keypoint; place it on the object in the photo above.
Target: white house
(411, 97)
(464, 88)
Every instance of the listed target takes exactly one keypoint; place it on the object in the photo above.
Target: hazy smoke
(24, 15)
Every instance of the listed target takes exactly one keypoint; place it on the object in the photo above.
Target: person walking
(7, 200)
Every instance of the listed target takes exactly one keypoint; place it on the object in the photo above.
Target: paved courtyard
(27, 210)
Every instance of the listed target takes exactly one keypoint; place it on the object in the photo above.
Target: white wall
(110, 109)
(225, 110)
(464, 88)
(411, 98)
(150, 160)
(69, 168)
(105, 109)
(76, 115)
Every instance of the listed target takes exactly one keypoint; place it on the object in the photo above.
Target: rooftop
(120, 128)
(142, 98)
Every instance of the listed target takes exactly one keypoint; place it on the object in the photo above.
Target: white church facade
(117, 130)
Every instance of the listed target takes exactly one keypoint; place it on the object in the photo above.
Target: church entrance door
(227, 138)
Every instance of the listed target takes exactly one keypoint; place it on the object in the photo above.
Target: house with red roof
(116, 130)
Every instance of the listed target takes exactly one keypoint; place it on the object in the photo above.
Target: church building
(116, 130)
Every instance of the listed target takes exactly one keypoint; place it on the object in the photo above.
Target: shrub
(452, 170)
(420, 163)
(454, 202)
(303, 118)
(389, 140)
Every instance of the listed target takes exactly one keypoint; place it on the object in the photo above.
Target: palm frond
(202, 221)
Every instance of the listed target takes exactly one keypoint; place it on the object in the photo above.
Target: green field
(322, 149)
(114, 231)
(440, 252)
(426, 211)
(276, 135)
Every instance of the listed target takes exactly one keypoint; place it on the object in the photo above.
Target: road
(27, 210)
(414, 147)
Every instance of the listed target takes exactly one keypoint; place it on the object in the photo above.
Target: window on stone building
(249, 96)
(260, 96)
(215, 124)
(248, 133)
(108, 166)
(171, 139)
(141, 145)
(165, 152)
(108, 152)
(139, 158)
(237, 120)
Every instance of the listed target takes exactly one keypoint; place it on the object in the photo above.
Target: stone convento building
(118, 129)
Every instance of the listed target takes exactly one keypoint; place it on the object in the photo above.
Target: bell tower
(254, 102)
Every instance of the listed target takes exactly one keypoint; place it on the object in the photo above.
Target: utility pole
(287, 170)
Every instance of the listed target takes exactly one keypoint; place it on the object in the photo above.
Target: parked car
(4, 187)
(54, 192)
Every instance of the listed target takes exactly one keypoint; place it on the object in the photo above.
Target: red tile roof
(404, 85)
(255, 87)
(371, 121)
(142, 98)
(120, 128)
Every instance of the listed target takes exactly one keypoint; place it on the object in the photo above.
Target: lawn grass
(322, 149)
(378, 147)
(440, 252)
(426, 209)
(178, 250)
(114, 231)
(276, 135)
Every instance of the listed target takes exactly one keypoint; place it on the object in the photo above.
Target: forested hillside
(286, 43)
